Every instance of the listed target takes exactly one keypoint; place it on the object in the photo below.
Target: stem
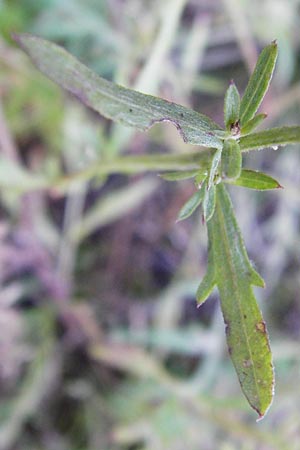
(137, 164)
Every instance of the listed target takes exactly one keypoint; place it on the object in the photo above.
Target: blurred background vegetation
(102, 346)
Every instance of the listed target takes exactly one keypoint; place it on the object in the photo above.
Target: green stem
(137, 164)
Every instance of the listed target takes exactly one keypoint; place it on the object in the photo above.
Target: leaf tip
(274, 42)
(260, 417)
(262, 410)
(262, 413)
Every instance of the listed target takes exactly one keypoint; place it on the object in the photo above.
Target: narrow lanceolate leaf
(113, 101)
(231, 106)
(270, 138)
(231, 162)
(192, 204)
(214, 167)
(209, 202)
(209, 280)
(252, 179)
(246, 332)
(180, 175)
(253, 123)
(201, 177)
(258, 83)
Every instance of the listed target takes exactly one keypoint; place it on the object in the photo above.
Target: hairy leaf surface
(258, 83)
(208, 282)
(270, 138)
(209, 202)
(231, 105)
(214, 167)
(253, 179)
(115, 102)
(253, 123)
(192, 204)
(246, 332)
(231, 162)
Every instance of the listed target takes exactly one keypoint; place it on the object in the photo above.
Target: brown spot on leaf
(227, 328)
(261, 326)
(247, 363)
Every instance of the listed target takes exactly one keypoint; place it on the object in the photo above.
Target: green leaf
(209, 202)
(253, 123)
(214, 167)
(115, 102)
(231, 162)
(192, 204)
(209, 280)
(246, 332)
(252, 179)
(179, 175)
(231, 106)
(270, 138)
(256, 279)
(201, 177)
(258, 83)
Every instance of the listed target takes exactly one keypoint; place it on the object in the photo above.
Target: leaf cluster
(229, 268)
